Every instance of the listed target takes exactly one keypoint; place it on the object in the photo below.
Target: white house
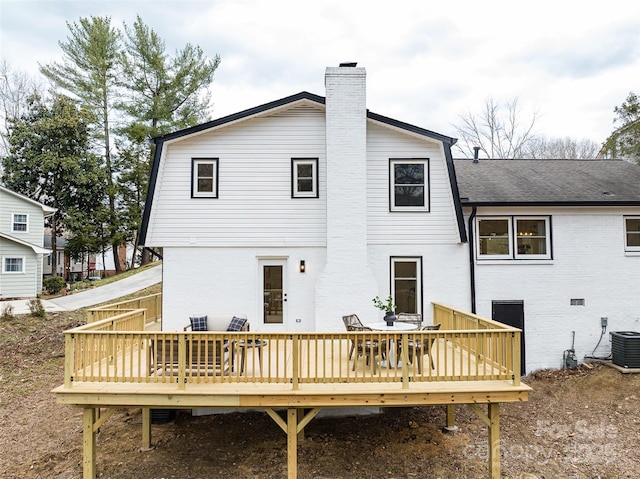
(302, 210)
(21, 244)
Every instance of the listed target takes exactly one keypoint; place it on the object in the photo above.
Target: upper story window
(13, 265)
(514, 237)
(204, 178)
(632, 233)
(20, 223)
(304, 178)
(409, 184)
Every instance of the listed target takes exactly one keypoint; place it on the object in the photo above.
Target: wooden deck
(118, 361)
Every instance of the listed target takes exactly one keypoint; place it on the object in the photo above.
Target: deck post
(451, 419)
(494, 440)
(146, 428)
(299, 420)
(292, 443)
(88, 444)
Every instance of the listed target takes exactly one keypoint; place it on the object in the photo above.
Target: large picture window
(20, 223)
(13, 265)
(514, 237)
(406, 282)
(304, 178)
(632, 233)
(409, 184)
(204, 178)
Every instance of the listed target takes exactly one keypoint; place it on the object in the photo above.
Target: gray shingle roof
(548, 182)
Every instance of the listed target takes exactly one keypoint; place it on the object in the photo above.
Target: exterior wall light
(302, 266)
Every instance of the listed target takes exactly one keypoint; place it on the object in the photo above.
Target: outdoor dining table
(397, 326)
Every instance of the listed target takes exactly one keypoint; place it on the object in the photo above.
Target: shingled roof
(548, 182)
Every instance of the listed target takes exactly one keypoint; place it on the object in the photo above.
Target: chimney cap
(348, 64)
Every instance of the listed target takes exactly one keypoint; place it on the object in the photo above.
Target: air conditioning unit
(625, 348)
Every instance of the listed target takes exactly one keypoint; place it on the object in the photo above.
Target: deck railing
(118, 349)
(152, 304)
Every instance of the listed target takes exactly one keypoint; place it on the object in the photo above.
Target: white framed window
(204, 177)
(13, 265)
(632, 233)
(494, 238)
(304, 178)
(532, 237)
(406, 284)
(409, 184)
(19, 223)
(514, 237)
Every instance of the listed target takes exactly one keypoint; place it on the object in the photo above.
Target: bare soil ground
(582, 423)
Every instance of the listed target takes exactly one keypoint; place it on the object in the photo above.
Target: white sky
(427, 61)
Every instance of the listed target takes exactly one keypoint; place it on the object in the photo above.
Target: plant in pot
(388, 307)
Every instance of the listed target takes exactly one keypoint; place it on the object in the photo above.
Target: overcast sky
(427, 61)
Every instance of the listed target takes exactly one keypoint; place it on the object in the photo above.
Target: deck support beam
(89, 443)
(494, 440)
(292, 443)
(146, 429)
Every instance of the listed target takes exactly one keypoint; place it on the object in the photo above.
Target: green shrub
(54, 284)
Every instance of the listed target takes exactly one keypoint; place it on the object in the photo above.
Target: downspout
(472, 265)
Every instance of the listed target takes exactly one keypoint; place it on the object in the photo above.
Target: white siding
(589, 262)
(439, 225)
(254, 205)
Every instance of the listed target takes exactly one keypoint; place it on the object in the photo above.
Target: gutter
(472, 265)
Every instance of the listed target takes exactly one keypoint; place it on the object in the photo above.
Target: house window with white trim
(204, 178)
(20, 223)
(13, 265)
(409, 184)
(632, 233)
(406, 284)
(494, 238)
(304, 178)
(514, 237)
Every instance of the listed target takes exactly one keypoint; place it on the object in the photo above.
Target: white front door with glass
(273, 292)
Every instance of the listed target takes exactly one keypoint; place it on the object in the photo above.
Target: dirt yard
(582, 424)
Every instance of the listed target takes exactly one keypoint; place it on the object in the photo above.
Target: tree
(50, 160)
(624, 142)
(164, 93)
(540, 147)
(89, 71)
(15, 88)
(499, 130)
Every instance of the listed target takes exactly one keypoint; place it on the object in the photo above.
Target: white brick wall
(589, 262)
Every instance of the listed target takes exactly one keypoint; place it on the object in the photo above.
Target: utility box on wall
(625, 348)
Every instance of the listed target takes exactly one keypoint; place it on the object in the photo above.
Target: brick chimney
(346, 285)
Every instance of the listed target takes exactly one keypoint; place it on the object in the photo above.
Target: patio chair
(369, 348)
(412, 318)
(418, 347)
(352, 320)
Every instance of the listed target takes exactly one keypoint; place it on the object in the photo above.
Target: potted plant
(388, 307)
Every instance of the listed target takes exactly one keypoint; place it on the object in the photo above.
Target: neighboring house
(21, 244)
(72, 269)
(302, 210)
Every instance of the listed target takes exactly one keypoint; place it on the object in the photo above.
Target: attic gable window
(20, 223)
(304, 178)
(632, 233)
(204, 178)
(409, 184)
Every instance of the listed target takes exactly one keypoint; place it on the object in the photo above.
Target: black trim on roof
(551, 203)
(412, 128)
(304, 95)
(456, 194)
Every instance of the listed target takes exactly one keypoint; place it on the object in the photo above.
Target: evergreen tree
(89, 71)
(624, 142)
